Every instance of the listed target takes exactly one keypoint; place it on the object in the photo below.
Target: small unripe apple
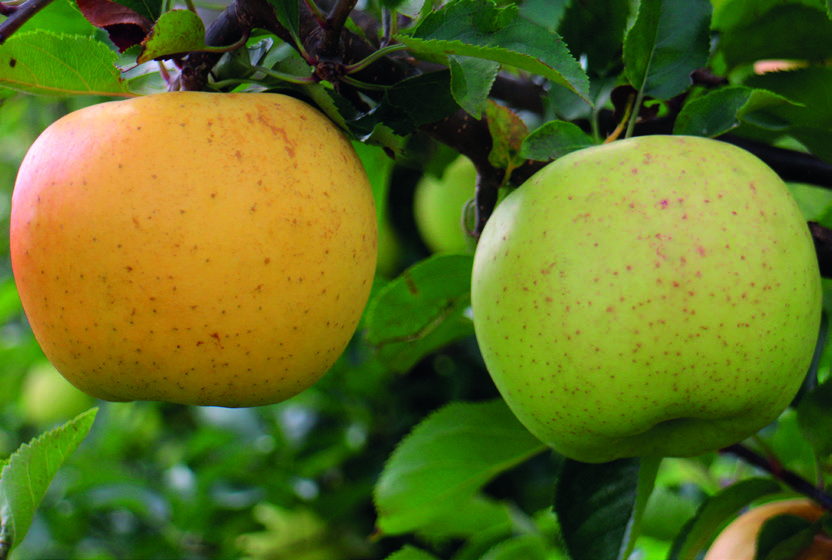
(439, 204)
(196, 248)
(656, 296)
(738, 541)
(46, 397)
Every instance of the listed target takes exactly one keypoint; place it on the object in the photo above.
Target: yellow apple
(738, 541)
(656, 296)
(196, 248)
(439, 203)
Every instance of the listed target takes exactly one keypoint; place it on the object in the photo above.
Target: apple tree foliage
(405, 450)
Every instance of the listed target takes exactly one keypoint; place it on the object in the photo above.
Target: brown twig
(21, 15)
(7, 10)
(238, 19)
(331, 43)
(822, 238)
(789, 478)
(472, 138)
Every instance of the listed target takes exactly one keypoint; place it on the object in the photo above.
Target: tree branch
(331, 44)
(790, 479)
(21, 15)
(472, 138)
(792, 166)
(822, 238)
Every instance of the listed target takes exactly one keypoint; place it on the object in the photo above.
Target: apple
(738, 541)
(439, 203)
(655, 296)
(46, 397)
(194, 248)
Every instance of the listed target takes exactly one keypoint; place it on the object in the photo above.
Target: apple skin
(656, 296)
(438, 205)
(46, 397)
(195, 248)
(738, 541)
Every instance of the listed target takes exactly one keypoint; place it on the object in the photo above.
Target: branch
(790, 479)
(792, 166)
(20, 16)
(471, 138)
(823, 248)
(331, 44)
(238, 19)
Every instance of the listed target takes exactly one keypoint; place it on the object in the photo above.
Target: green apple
(439, 203)
(46, 397)
(656, 296)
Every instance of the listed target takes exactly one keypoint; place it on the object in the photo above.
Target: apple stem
(618, 129)
(787, 477)
(634, 110)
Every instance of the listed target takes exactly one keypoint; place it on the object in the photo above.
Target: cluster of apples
(656, 296)
(652, 296)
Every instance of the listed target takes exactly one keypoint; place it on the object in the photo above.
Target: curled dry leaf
(124, 26)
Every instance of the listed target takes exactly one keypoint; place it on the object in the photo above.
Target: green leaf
(410, 8)
(379, 167)
(411, 553)
(472, 28)
(24, 480)
(151, 9)
(668, 510)
(424, 99)
(446, 459)
(814, 416)
(737, 13)
(405, 107)
(479, 544)
(422, 310)
(176, 32)
(47, 63)
(528, 547)
(61, 16)
(600, 506)
(783, 537)
(507, 134)
(548, 13)
(288, 16)
(817, 140)
(471, 80)
(482, 513)
(721, 110)
(807, 89)
(607, 20)
(805, 37)
(715, 511)
(553, 140)
(667, 41)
